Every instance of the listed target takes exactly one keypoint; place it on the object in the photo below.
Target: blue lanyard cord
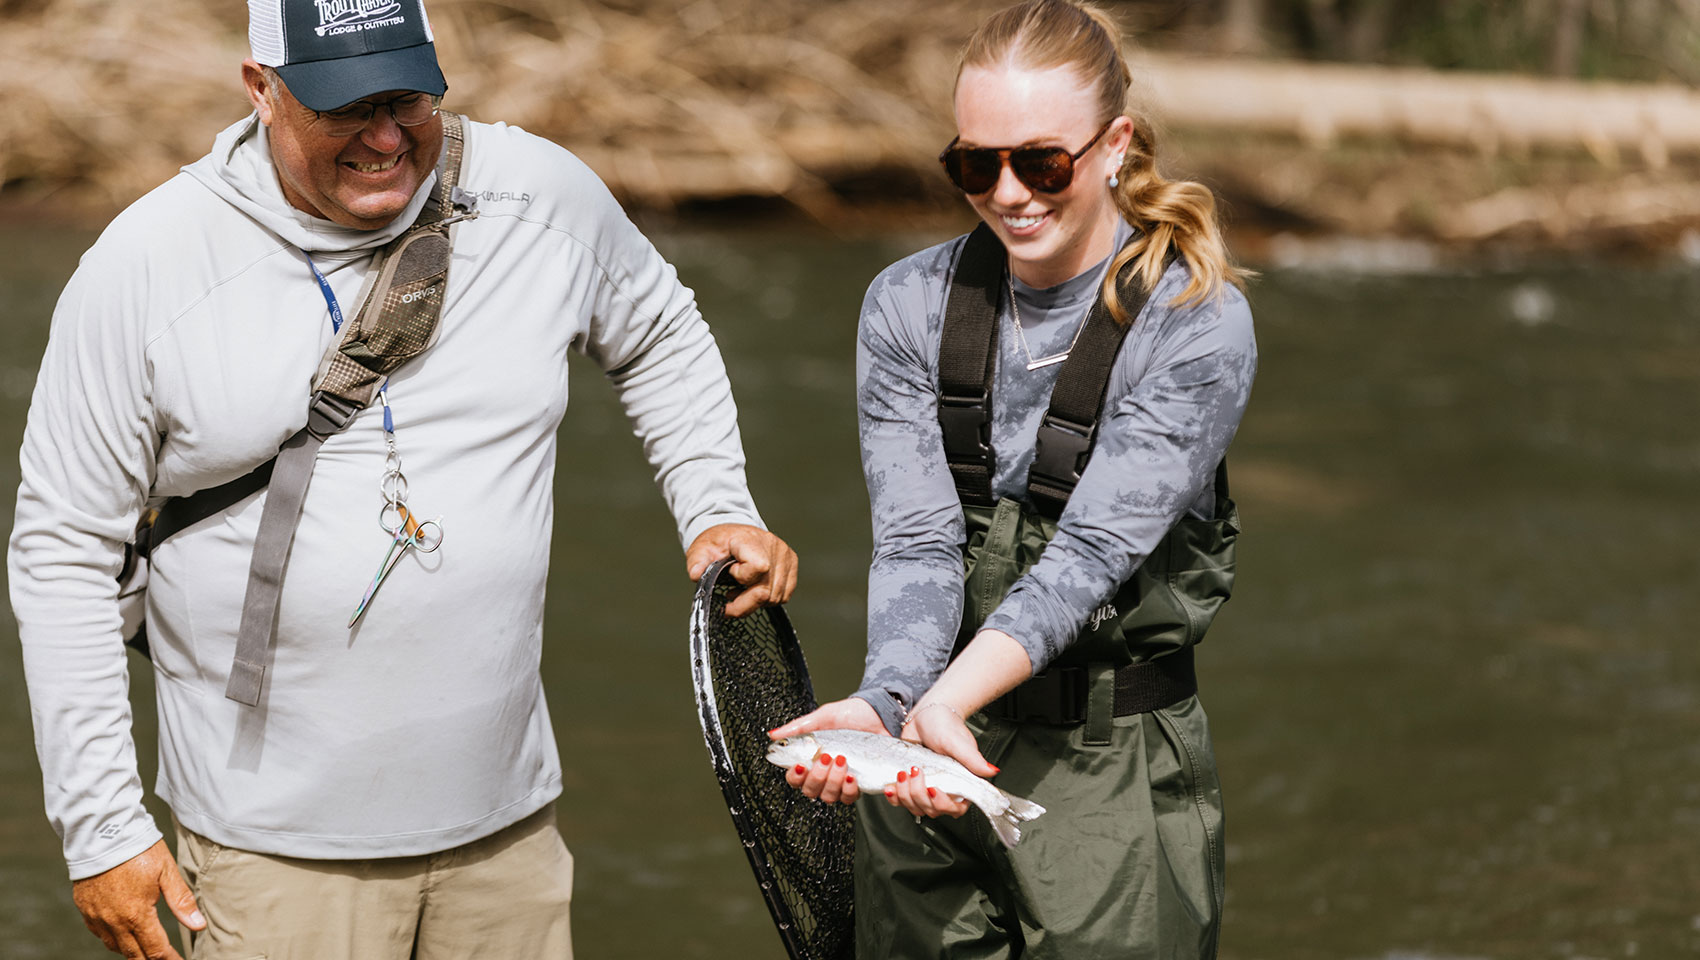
(330, 295)
(336, 327)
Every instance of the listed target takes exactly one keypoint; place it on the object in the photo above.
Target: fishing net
(750, 677)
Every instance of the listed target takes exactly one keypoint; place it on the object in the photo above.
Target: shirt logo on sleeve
(1102, 615)
(109, 830)
(502, 196)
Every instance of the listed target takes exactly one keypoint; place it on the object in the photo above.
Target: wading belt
(1067, 432)
(1062, 694)
(396, 321)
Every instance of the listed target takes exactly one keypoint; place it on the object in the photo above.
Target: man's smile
(378, 166)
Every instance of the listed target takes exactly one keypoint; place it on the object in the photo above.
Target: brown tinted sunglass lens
(1045, 169)
(973, 170)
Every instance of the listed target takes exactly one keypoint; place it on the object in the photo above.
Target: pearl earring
(1114, 181)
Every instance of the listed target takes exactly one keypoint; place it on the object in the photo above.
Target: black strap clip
(328, 413)
(1057, 695)
(1062, 450)
(967, 428)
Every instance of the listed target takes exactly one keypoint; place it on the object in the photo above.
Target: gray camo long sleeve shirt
(1178, 389)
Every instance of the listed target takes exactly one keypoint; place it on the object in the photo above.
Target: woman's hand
(827, 778)
(938, 726)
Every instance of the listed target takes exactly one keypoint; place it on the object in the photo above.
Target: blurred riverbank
(833, 112)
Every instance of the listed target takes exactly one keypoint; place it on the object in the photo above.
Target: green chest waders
(1110, 737)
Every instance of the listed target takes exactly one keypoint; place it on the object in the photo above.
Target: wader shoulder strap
(1070, 427)
(967, 359)
(967, 352)
(396, 322)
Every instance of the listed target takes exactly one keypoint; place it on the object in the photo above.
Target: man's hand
(764, 565)
(826, 779)
(118, 905)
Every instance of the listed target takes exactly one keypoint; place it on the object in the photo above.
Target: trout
(876, 758)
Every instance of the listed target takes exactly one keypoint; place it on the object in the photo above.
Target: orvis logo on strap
(345, 16)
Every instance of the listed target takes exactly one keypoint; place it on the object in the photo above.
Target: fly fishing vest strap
(396, 321)
(967, 364)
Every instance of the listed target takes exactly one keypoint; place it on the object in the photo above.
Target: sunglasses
(1045, 169)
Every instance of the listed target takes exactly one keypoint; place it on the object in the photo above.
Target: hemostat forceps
(406, 533)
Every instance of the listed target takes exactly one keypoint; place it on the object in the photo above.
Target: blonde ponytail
(1176, 217)
(1172, 216)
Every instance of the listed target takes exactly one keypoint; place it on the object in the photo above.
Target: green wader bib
(1127, 861)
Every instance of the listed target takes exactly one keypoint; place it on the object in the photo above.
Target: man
(390, 792)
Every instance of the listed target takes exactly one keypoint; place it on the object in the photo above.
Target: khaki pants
(506, 896)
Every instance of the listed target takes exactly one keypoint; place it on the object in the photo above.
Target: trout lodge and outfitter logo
(347, 16)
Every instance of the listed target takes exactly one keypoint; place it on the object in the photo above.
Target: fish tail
(1020, 809)
(1004, 825)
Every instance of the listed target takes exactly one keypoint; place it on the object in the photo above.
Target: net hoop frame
(708, 712)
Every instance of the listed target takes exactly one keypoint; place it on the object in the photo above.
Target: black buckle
(1062, 449)
(328, 413)
(966, 426)
(1057, 695)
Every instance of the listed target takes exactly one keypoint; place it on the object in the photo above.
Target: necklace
(1032, 364)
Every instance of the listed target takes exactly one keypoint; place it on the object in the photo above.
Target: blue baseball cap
(333, 52)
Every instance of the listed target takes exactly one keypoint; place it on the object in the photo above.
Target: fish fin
(1004, 825)
(1020, 809)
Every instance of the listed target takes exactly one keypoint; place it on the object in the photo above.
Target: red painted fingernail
(932, 791)
(890, 794)
(849, 779)
(826, 759)
(901, 776)
(841, 759)
(802, 769)
(994, 769)
(914, 771)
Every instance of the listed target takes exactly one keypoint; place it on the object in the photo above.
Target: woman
(1097, 300)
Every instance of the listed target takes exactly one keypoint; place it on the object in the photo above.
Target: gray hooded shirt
(182, 354)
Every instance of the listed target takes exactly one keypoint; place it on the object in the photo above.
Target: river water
(1454, 697)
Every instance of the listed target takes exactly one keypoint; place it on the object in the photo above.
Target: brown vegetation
(839, 108)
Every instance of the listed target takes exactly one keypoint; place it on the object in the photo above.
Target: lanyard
(330, 296)
(336, 327)
(405, 532)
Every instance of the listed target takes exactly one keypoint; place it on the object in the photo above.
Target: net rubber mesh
(750, 677)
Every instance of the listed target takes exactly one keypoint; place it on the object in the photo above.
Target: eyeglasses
(409, 110)
(1045, 169)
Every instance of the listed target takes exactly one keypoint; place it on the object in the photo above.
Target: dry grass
(708, 99)
(838, 106)
(110, 98)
